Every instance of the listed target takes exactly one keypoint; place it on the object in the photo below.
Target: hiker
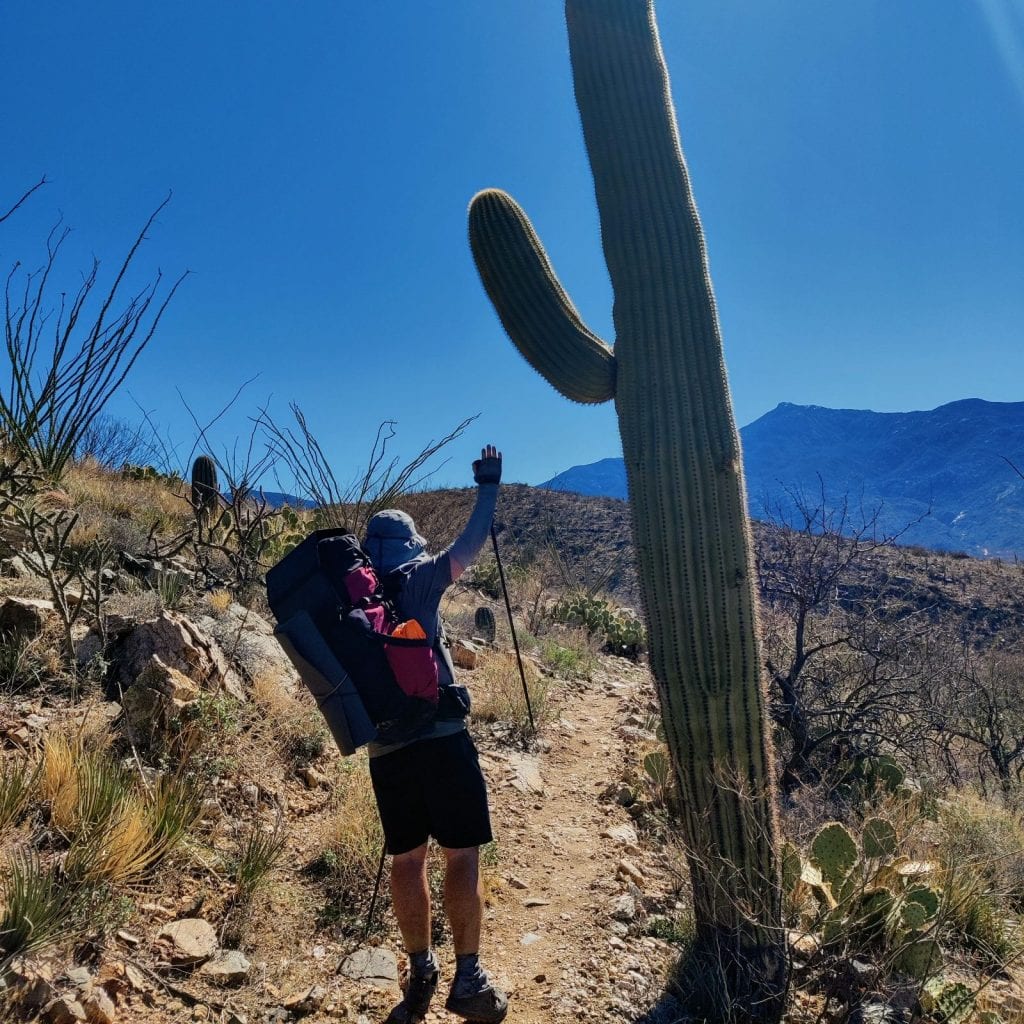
(432, 785)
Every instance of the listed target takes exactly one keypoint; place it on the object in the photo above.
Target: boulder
(64, 1010)
(99, 1007)
(180, 645)
(465, 654)
(372, 964)
(227, 967)
(249, 642)
(25, 616)
(159, 696)
(192, 940)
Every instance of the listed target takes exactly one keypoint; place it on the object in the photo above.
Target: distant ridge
(951, 460)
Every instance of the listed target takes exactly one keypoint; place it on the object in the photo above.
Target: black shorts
(432, 788)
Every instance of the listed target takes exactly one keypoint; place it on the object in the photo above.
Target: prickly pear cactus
(667, 377)
(484, 624)
(204, 485)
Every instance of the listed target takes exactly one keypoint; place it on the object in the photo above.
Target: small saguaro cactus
(682, 453)
(484, 624)
(204, 485)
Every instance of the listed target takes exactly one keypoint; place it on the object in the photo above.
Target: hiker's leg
(410, 896)
(463, 898)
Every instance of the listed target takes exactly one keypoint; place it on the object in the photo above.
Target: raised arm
(465, 547)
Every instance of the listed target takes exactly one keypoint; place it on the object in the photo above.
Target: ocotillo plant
(667, 377)
(204, 486)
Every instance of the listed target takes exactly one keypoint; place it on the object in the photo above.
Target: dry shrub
(355, 838)
(296, 728)
(218, 602)
(498, 692)
(986, 838)
(148, 502)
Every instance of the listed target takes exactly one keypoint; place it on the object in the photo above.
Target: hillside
(197, 850)
(940, 475)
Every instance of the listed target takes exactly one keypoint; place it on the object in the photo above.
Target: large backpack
(337, 623)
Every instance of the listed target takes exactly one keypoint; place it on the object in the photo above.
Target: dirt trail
(567, 848)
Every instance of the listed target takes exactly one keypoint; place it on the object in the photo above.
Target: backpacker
(373, 677)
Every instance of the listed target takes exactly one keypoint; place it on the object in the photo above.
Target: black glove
(487, 469)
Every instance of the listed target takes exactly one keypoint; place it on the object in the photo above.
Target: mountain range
(939, 478)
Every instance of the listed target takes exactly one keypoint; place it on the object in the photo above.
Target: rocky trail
(566, 929)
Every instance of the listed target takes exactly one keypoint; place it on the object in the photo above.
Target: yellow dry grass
(355, 835)
(149, 502)
(497, 691)
(59, 781)
(218, 602)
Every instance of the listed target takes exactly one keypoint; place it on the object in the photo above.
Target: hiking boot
(487, 1005)
(418, 993)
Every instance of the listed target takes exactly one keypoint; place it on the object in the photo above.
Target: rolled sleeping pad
(333, 690)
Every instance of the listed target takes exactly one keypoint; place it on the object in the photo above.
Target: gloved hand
(487, 469)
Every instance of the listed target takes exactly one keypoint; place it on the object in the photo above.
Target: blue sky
(857, 166)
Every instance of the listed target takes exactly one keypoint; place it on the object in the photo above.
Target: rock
(529, 939)
(20, 566)
(625, 834)
(624, 908)
(36, 722)
(372, 964)
(128, 938)
(136, 978)
(99, 1007)
(249, 641)
(304, 1002)
(517, 883)
(465, 654)
(159, 696)
(227, 967)
(25, 616)
(20, 737)
(180, 645)
(64, 1010)
(630, 871)
(79, 976)
(312, 779)
(803, 944)
(31, 988)
(876, 1013)
(193, 940)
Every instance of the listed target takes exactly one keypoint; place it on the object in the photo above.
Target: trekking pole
(376, 890)
(512, 627)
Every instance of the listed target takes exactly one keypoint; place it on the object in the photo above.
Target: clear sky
(858, 167)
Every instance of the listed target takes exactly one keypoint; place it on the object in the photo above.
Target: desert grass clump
(295, 727)
(569, 652)
(153, 503)
(986, 837)
(218, 602)
(498, 693)
(21, 663)
(17, 783)
(40, 907)
(135, 834)
(355, 838)
(259, 851)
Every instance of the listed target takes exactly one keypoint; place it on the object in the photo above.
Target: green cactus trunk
(684, 470)
(204, 486)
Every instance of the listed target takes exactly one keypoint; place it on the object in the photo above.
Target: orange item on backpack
(410, 630)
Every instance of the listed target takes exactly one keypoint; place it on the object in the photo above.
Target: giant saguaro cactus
(683, 466)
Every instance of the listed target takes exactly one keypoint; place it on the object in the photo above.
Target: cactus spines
(204, 485)
(484, 624)
(681, 448)
(833, 852)
(950, 1002)
(878, 838)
